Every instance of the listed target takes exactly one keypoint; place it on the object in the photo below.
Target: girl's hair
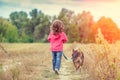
(57, 26)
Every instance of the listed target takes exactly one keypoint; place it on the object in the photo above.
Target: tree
(2, 29)
(92, 33)
(34, 13)
(109, 29)
(20, 20)
(84, 21)
(42, 29)
(65, 16)
(8, 32)
(38, 26)
(73, 33)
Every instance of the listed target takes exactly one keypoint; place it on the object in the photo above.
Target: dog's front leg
(75, 64)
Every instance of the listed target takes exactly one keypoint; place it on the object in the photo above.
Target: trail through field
(33, 62)
(67, 72)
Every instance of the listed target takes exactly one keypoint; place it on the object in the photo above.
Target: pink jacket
(56, 41)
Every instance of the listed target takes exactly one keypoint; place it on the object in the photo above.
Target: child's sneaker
(57, 71)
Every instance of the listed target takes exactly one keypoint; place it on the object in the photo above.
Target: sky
(97, 8)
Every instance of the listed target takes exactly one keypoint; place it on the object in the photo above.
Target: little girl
(56, 38)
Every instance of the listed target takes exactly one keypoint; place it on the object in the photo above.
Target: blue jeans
(56, 59)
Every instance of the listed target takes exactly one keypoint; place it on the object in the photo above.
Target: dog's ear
(78, 50)
(73, 50)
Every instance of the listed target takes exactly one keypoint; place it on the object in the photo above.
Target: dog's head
(75, 54)
(76, 51)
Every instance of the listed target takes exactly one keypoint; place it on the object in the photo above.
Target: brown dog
(78, 58)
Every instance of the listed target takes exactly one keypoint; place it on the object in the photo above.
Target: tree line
(34, 27)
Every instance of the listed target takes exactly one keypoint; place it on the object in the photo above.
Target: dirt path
(67, 72)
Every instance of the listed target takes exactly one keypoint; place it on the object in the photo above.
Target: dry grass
(33, 61)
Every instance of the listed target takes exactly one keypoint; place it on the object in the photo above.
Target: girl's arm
(64, 38)
(49, 37)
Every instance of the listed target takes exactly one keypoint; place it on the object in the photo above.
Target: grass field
(26, 61)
